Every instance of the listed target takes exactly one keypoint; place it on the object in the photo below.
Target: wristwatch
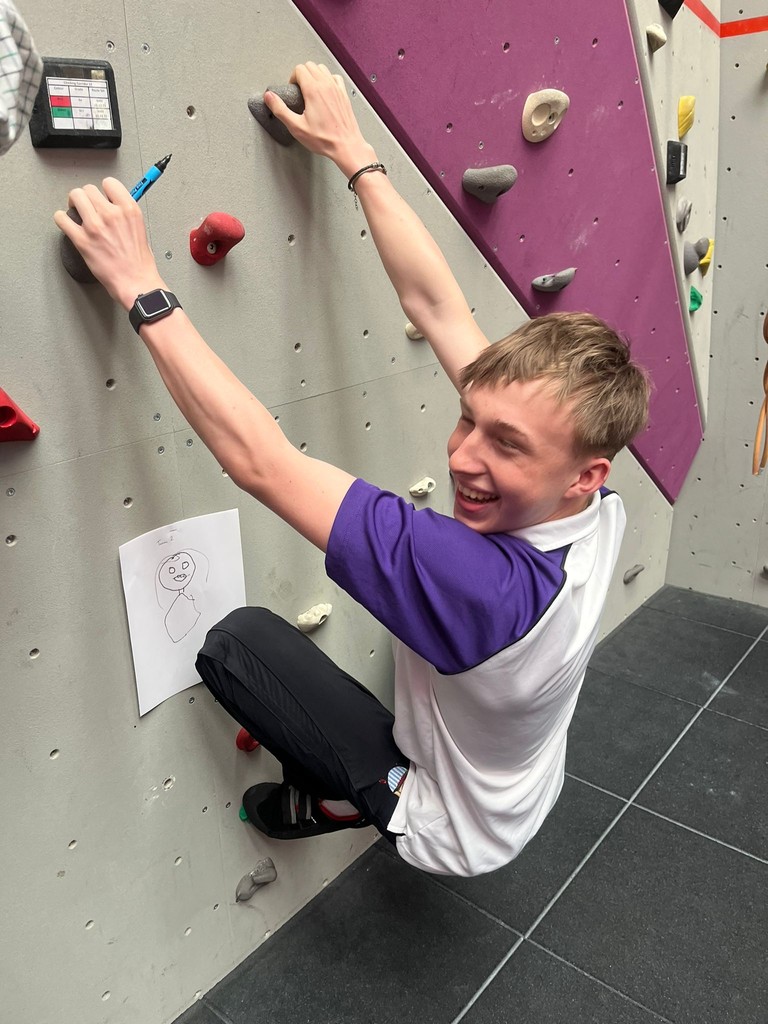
(151, 306)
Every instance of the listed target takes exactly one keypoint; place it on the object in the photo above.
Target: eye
(509, 446)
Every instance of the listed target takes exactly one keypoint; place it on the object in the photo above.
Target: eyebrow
(501, 425)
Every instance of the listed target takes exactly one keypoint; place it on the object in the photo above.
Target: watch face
(153, 303)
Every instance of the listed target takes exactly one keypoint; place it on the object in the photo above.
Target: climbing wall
(453, 91)
(121, 846)
(720, 535)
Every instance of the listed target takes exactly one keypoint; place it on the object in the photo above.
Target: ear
(591, 478)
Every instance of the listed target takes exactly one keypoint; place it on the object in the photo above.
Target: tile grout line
(712, 839)
(599, 981)
(609, 829)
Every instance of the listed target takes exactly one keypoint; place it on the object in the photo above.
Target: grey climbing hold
(690, 258)
(701, 247)
(74, 264)
(677, 161)
(656, 37)
(543, 112)
(262, 874)
(291, 96)
(554, 282)
(630, 574)
(488, 183)
(683, 214)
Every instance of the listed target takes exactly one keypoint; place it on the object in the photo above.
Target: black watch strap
(151, 306)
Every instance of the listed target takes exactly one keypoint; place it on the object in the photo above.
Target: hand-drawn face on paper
(176, 571)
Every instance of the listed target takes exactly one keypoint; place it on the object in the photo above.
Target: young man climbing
(494, 611)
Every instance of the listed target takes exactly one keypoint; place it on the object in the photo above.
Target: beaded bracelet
(363, 170)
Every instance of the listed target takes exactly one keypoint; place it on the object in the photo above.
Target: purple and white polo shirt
(491, 635)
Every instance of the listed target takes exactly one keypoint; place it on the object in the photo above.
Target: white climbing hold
(683, 214)
(630, 574)
(425, 486)
(264, 873)
(313, 617)
(413, 332)
(554, 282)
(656, 37)
(543, 112)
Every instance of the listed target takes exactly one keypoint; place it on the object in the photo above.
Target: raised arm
(428, 291)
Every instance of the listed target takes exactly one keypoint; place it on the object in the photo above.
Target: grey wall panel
(721, 519)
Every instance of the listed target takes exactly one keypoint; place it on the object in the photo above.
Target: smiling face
(513, 460)
(176, 571)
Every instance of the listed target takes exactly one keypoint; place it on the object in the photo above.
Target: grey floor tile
(199, 1013)
(745, 695)
(620, 731)
(537, 988)
(673, 655)
(382, 943)
(717, 611)
(673, 920)
(517, 893)
(715, 781)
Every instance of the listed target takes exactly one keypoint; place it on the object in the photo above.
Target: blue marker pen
(150, 178)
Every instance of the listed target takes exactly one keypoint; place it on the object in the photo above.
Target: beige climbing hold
(423, 487)
(630, 574)
(313, 617)
(413, 332)
(264, 873)
(706, 259)
(656, 37)
(683, 214)
(543, 112)
(686, 108)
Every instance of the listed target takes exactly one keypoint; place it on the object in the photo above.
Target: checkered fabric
(21, 69)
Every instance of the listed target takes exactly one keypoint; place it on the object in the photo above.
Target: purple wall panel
(450, 82)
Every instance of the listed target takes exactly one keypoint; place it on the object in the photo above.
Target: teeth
(475, 496)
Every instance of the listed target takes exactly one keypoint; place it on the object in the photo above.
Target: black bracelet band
(364, 170)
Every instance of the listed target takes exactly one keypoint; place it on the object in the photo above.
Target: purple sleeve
(454, 596)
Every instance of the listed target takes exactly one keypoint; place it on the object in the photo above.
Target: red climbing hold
(245, 741)
(211, 242)
(14, 424)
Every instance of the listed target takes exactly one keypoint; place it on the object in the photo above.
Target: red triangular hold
(14, 424)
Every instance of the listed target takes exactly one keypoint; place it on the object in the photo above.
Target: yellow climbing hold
(685, 111)
(706, 259)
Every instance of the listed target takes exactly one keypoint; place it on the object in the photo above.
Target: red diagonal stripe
(703, 12)
(743, 28)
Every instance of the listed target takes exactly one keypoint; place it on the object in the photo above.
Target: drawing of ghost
(175, 574)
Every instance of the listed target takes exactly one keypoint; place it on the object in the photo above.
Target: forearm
(240, 432)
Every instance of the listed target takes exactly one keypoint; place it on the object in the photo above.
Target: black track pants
(331, 735)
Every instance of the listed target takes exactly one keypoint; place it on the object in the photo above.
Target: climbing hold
(413, 332)
(424, 486)
(74, 264)
(14, 424)
(543, 112)
(630, 574)
(262, 874)
(488, 183)
(677, 161)
(706, 259)
(314, 617)
(696, 300)
(246, 742)
(690, 258)
(764, 572)
(683, 214)
(656, 37)
(211, 242)
(243, 814)
(671, 6)
(554, 282)
(686, 107)
(291, 96)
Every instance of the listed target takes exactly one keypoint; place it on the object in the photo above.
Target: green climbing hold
(243, 815)
(696, 300)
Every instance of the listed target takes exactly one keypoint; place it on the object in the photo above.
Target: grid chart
(78, 104)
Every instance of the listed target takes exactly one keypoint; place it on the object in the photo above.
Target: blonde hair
(583, 362)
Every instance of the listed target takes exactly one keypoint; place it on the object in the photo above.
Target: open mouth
(475, 497)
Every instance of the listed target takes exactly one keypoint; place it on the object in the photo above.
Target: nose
(465, 454)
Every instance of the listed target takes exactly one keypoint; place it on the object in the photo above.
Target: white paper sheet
(179, 581)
